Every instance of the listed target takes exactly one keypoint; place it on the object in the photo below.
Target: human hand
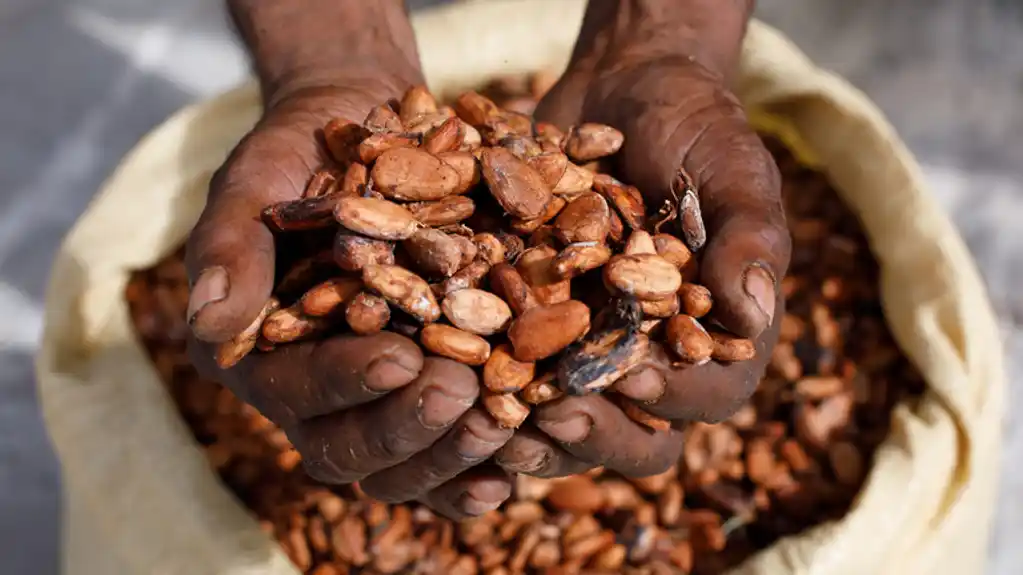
(632, 71)
(368, 409)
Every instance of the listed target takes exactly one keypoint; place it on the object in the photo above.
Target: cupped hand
(368, 409)
(675, 113)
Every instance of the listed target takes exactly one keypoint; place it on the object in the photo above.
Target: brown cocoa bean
(528, 226)
(355, 181)
(475, 108)
(585, 219)
(639, 242)
(466, 166)
(729, 348)
(694, 233)
(229, 353)
(342, 137)
(577, 259)
(696, 299)
(504, 374)
(444, 138)
(524, 147)
(403, 289)
(537, 267)
(508, 410)
(689, 340)
(383, 119)
(542, 390)
(416, 103)
(353, 252)
(644, 276)
(672, 249)
(376, 145)
(574, 181)
(322, 183)
(550, 165)
(375, 218)
(290, 324)
(477, 311)
(456, 344)
(661, 308)
(305, 214)
(445, 211)
(468, 277)
(578, 494)
(468, 249)
(549, 133)
(412, 175)
(490, 247)
(330, 296)
(519, 188)
(600, 359)
(367, 314)
(626, 200)
(507, 283)
(434, 252)
(542, 332)
(588, 142)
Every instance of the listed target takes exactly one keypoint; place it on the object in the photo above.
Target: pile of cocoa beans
(496, 242)
(794, 456)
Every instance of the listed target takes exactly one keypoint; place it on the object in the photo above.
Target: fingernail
(760, 286)
(571, 430)
(438, 409)
(644, 385)
(474, 507)
(387, 374)
(210, 287)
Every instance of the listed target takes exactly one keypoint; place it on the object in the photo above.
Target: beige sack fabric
(140, 494)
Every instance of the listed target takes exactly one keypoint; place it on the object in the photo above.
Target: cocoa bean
(644, 276)
(379, 219)
(477, 311)
(290, 324)
(377, 145)
(353, 252)
(434, 252)
(367, 314)
(696, 299)
(445, 211)
(416, 103)
(592, 141)
(689, 340)
(508, 410)
(403, 289)
(330, 296)
(321, 184)
(585, 219)
(229, 353)
(542, 332)
(519, 188)
(577, 259)
(504, 374)
(410, 174)
(455, 344)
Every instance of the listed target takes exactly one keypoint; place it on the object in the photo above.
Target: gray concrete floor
(81, 81)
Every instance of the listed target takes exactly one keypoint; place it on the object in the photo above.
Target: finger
(677, 116)
(471, 441)
(595, 430)
(350, 445)
(531, 452)
(306, 380)
(711, 392)
(472, 494)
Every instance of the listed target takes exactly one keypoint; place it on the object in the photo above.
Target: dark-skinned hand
(674, 112)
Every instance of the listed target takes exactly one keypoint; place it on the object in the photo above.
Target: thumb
(673, 120)
(230, 253)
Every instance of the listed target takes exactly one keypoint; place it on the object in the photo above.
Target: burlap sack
(142, 499)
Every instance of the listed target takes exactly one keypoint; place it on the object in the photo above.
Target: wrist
(298, 45)
(625, 33)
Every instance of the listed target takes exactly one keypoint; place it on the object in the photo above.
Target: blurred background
(82, 80)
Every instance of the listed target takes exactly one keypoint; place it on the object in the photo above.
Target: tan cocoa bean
(468, 277)
(375, 218)
(574, 181)
(229, 353)
(367, 314)
(696, 299)
(330, 296)
(616, 231)
(592, 141)
(504, 374)
(342, 137)
(305, 214)
(466, 166)
(508, 410)
(444, 138)
(322, 183)
(383, 119)
(416, 103)
(477, 311)
(577, 259)
(524, 147)
(490, 247)
(456, 344)
(675, 251)
(627, 200)
(542, 390)
(355, 181)
(694, 233)
(728, 347)
(290, 324)
(475, 108)
(529, 226)
(434, 252)
(412, 175)
(376, 145)
(426, 123)
(513, 246)
(585, 219)
(353, 252)
(519, 188)
(468, 249)
(442, 212)
(542, 332)
(537, 267)
(472, 140)
(644, 276)
(661, 308)
(550, 165)
(639, 242)
(403, 289)
(549, 133)
(689, 340)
